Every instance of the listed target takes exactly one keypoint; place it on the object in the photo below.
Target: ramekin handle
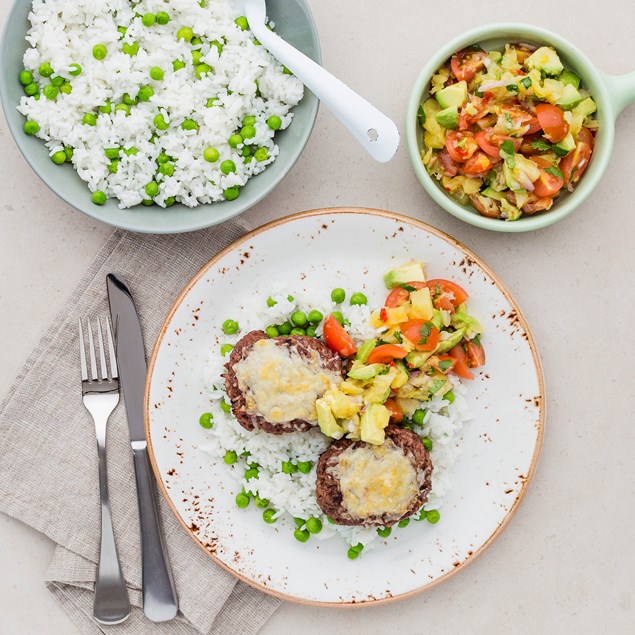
(622, 90)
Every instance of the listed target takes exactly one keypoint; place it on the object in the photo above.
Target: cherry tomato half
(440, 287)
(478, 164)
(460, 367)
(575, 163)
(475, 354)
(466, 63)
(424, 335)
(396, 413)
(397, 297)
(447, 163)
(461, 145)
(385, 353)
(586, 136)
(337, 339)
(552, 122)
(547, 184)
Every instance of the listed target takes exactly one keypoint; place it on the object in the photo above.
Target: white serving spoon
(375, 132)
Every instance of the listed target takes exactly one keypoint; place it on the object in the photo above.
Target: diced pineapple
(396, 315)
(349, 387)
(421, 302)
(376, 321)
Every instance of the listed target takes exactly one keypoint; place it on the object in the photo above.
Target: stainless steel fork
(100, 394)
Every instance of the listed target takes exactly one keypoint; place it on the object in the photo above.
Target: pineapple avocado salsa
(507, 130)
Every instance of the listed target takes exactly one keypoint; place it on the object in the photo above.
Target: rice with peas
(293, 495)
(155, 92)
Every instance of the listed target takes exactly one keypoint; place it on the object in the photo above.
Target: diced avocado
(472, 325)
(327, 422)
(454, 95)
(341, 405)
(585, 108)
(418, 358)
(569, 78)
(421, 301)
(379, 389)
(509, 211)
(373, 422)
(545, 59)
(410, 272)
(448, 118)
(437, 319)
(401, 377)
(434, 135)
(365, 373)
(570, 97)
(439, 385)
(445, 345)
(365, 350)
(492, 193)
(565, 146)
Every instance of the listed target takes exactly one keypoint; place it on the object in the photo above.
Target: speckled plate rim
(327, 212)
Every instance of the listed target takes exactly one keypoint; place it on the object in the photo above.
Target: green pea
(249, 120)
(288, 467)
(226, 348)
(418, 417)
(152, 189)
(284, 328)
(177, 64)
(261, 154)
(359, 298)
(212, 101)
(89, 119)
(427, 442)
(113, 166)
(231, 193)
(230, 327)
(218, 45)
(403, 523)
(242, 500)
(433, 516)
(99, 198)
(338, 295)
(31, 127)
(196, 41)
(299, 522)
(26, 77)
(206, 420)
(31, 89)
(185, 33)
(130, 151)
(159, 122)
(156, 73)
(272, 331)
(338, 316)
(148, 19)
(124, 108)
(167, 169)
(252, 473)
(271, 302)
(122, 29)
(298, 331)
(197, 56)
(422, 514)
(45, 70)
(58, 80)
(352, 553)
(225, 407)
(147, 202)
(169, 201)
(145, 92)
(106, 108)
(68, 151)
(162, 158)
(315, 317)
(189, 124)
(311, 330)
(261, 502)
(130, 101)
(241, 23)
(130, 49)
(299, 318)
(112, 153)
(227, 166)
(230, 457)
(246, 151)
(162, 17)
(269, 516)
(301, 535)
(314, 525)
(75, 70)
(248, 131)
(384, 532)
(274, 122)
(100, 51)
(449, 396)
(203, 69)
(235, 140)
(50, 91)
(59, 157)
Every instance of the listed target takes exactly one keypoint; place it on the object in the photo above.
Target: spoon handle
(373, 130)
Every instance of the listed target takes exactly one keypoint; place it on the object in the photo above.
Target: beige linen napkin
(48, 456)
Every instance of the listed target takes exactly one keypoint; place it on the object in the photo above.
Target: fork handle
(159, 592)
(111, 604)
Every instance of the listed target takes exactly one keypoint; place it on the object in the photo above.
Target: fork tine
(91, 352)
(102, 353)
(111, 350)
(82, 352)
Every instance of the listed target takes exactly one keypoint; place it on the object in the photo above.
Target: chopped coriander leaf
(421, 116)
(541, 144)
(398, 337)
(424, 332)
(512, 88)
(526, 82)
(445, 364)
(407, 287)
(555, 172)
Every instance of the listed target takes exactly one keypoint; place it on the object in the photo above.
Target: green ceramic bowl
(612, 95)
(293, 22)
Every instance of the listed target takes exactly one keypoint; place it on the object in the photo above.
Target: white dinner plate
(350, 248)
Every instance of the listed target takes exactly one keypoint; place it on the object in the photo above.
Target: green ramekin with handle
(611, 94)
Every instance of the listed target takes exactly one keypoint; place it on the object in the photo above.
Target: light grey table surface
(566, 562)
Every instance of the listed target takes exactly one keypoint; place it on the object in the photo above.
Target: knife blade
(159, 593)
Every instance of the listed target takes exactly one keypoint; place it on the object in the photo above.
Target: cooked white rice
(246, 80)
(294, 495)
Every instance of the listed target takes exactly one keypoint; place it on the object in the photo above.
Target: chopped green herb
(424, 332)
(555, 172)
(526, 82)
(398, 337)
(445, 364)
(507, 152)
(421, 116)
(407, 287)
(512, 88)
(508, 120)
(541, 144)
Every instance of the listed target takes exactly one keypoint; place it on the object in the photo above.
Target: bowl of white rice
(161, 117)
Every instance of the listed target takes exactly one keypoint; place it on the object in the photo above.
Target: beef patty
(273, 382)
(374, 485)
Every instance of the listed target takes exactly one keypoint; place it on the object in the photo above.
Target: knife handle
(159, 593)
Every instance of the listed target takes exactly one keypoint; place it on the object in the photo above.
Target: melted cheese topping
(376, 480)
(281, 385)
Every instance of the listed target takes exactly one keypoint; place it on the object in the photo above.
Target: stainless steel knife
(159, 593)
